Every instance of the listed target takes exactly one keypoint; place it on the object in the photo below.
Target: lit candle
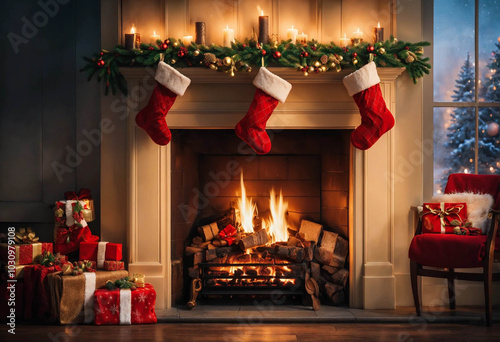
(263, 28)
(187, 40)
(344, 42)
(302, 38)
(292, 34)
(131, 39)
(357, 37)
(228, 36)
(379, 34)
(200, 32)
(153, 38)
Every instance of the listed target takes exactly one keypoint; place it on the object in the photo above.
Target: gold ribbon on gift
(36, 251)
(139, 279)
(442, 212)
(26, 236)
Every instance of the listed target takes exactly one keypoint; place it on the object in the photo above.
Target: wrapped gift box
(438, 217)
(68, 240)
(125, 306)
(36, 300)
(25, 254)
(113, 265)
(100, 251)
(72, 297)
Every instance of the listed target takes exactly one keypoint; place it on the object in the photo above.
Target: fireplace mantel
(216, 100)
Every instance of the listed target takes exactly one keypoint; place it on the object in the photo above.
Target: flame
(378, 25)
(132, 30)
(276, 225)
(247, 208)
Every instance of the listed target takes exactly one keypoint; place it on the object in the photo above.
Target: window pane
(489, 141)
(453, 41)
(489, 50)
(454, 143)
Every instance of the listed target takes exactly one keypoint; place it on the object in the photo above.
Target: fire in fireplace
(262, 229)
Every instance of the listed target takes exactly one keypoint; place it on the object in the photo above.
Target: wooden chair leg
(488, 280)
(451, 288)
(414, 285)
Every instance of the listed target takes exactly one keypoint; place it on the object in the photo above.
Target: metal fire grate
(219, 282)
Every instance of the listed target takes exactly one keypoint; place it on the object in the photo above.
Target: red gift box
(100, 251)
(437, 217)
(68, 240)
(125, 306)
(24, 254)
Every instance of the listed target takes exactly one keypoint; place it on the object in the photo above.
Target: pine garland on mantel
(312, 57)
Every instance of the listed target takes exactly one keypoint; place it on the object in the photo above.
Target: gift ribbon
(101, 253)
(125, 306)
(36, 250)
(88, 303)
(442, 213)
(67, 235)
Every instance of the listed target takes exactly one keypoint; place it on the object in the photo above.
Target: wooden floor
(245, 332)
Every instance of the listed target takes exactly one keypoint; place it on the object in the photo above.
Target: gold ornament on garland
(173, 61)
(227, 61)
(196, 53)
(213, 66)
(317, 64)
(311, 69)
(381, 51)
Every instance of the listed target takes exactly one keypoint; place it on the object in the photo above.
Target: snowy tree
(461, 131)
(489, 119)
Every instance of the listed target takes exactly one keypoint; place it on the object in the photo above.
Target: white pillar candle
(344, 42)
(302, 38)
(153, 38)
(228, 36)
(187, 40)
(358, 34)
(292, 34)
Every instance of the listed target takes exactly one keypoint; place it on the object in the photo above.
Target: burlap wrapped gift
(67, 295)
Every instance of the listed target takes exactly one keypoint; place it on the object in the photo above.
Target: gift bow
(442, 213)
(68, 235)
(82, 194)
(26, 235)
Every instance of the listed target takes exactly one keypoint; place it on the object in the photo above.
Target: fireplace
(306, 176)
(318, 104)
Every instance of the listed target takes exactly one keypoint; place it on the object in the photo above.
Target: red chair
(450, 251)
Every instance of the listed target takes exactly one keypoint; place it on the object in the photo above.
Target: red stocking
(152, 117)
(271, 89)
(376, 119)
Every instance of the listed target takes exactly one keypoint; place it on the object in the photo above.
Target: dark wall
(49, 113)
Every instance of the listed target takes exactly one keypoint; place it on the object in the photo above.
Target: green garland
(311, 57)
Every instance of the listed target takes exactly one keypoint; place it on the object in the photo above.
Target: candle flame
(154, 33)
(357, 30)
(132, 30)
(262, 12)
(345, 35)
(227, 27)
(378, 25)
(292, 28)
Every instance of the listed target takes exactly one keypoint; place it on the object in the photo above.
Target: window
(466, 88)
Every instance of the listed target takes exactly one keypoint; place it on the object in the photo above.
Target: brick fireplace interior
(311, 167)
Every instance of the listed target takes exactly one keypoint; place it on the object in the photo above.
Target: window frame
(429, 103)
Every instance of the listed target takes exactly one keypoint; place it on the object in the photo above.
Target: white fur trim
(171, 79)
(125, 306)
(70, 221)
(101, 254)
(362, 79)
(272, 85)
(478, 206)
(88, 303)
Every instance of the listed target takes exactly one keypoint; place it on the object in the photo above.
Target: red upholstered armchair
(450, 251)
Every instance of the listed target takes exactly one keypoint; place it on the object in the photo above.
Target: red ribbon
(227, 232)
(82, 194)
(69, 235)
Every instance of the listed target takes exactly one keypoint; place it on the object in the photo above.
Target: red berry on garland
(305, 53)
(313, 48)
(370, 48)
(277, 54)
(244, 45)
(100, 63)
(167, 41)
(355, 55)
(164, 46)
(101, 53)
(304, 69)
(180, 54)
(151, 48)
(407, 48)
(264, 52)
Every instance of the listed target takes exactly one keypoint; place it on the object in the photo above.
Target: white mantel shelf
(216, 100)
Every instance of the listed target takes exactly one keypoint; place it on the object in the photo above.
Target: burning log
(296, 254)
(225, 251)
(335, 293)
(209, 231)
(211, 254)
(293, 241)
(282, 251)
(340, 277)
(310, 231)
(257, 239)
